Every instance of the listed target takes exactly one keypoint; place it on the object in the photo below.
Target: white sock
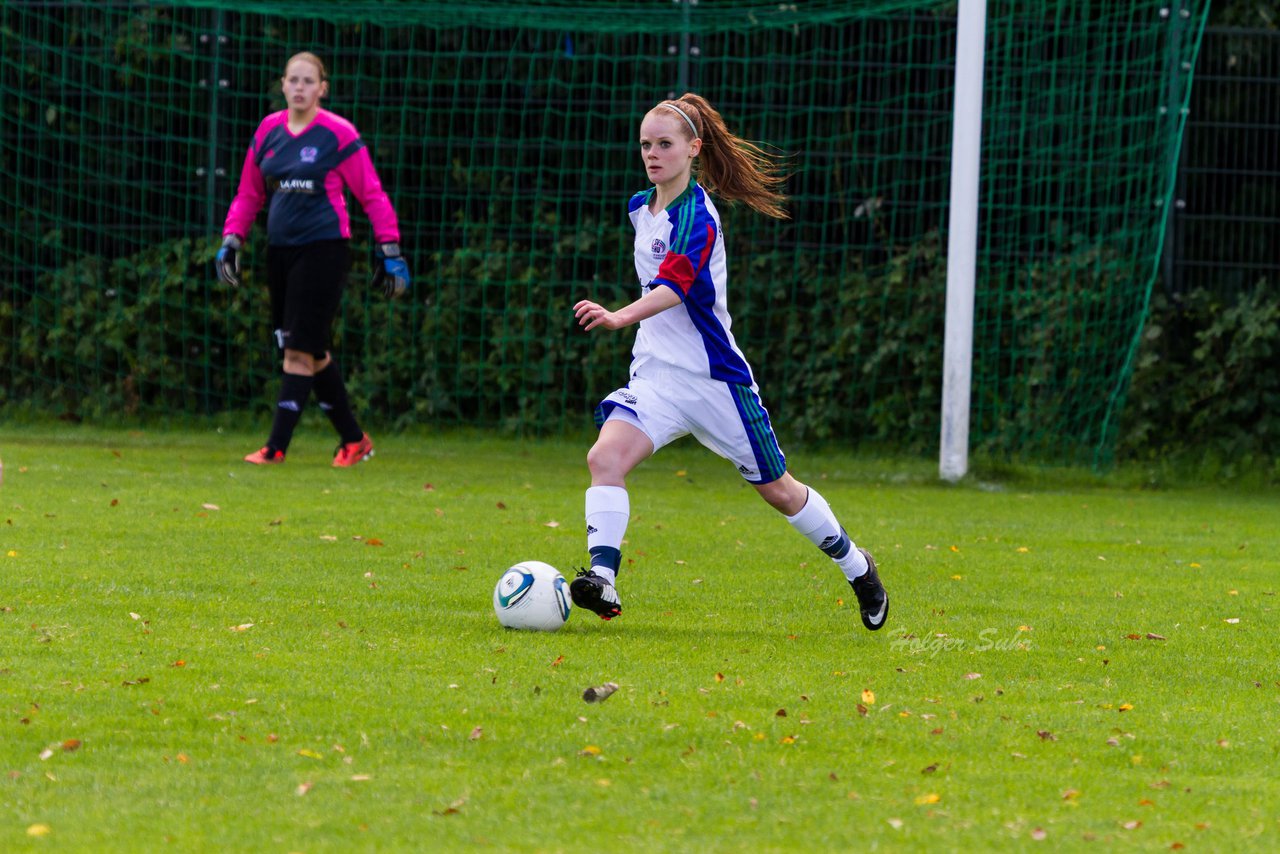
(818, 524)
(608, 511)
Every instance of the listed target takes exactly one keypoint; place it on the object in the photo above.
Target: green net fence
(505, 134)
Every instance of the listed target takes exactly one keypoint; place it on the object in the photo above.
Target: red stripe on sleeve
(677, 270)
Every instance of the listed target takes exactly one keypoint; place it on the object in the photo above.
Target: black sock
(294, 391)
(331, 391)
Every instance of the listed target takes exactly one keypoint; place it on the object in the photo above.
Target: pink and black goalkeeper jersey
(302, 179)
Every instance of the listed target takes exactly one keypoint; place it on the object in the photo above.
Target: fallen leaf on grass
(374, 541)
(476, 734)
(551, 524)
(310, 754)
(973, 676)
(38, 830)
(1045, 735)
(210, 506)
(868, 696)
(71, 744)
(930, 798)
(862, 710)
(243, 627)
(302, 789)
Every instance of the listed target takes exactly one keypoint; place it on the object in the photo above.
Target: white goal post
(962, 239)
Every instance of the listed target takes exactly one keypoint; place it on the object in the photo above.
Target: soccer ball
(532, 595)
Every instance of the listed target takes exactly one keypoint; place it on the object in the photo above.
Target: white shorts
(668, 403)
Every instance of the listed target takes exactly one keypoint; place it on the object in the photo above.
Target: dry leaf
(1045, 735)
(1154, 636)
(38, 830)
(868, 696)
(302, 789)
(1038, 834)
(930, 798)
(210, 506)
(243, 627)
(973, 676)
(71, 744)
(476, 734)
(600, 693)
(551, 524)
(589, 750)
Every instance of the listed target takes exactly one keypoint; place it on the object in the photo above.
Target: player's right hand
(227, 261)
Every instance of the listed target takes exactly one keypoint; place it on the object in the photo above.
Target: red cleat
(265, 456)
(353, 452)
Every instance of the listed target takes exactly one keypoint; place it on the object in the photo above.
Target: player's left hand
(390, 270)
(592, 314)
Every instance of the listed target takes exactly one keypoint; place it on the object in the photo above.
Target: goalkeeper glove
(390, 271)
(227, 261)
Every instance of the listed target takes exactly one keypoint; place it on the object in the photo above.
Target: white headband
(683, 115)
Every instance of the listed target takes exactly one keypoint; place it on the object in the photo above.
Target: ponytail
(729, 166)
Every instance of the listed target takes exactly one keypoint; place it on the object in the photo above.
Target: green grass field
(203, 655)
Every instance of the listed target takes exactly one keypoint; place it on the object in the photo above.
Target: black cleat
(873, 601)
(592, 592)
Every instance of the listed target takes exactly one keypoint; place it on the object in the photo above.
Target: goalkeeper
(299, 164)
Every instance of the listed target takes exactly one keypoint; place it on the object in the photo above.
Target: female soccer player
(299, 163)
(687, 373)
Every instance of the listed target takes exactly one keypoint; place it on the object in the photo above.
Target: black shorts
(306, 284)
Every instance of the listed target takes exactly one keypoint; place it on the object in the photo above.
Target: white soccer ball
(532, 595)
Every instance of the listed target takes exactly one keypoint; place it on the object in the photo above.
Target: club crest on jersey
(308, 154)
(659, 249)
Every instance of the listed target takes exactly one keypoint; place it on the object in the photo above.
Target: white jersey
(681, 247)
